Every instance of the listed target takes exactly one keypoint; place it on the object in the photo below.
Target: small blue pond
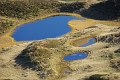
(79, 55)
(91, 41)
(75, 56)
(46, 28)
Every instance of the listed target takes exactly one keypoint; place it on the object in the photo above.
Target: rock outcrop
(110, 38)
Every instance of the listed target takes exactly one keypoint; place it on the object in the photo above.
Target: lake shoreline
(21, 22)
(73, 24)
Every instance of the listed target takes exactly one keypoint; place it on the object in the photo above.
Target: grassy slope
(38, 51)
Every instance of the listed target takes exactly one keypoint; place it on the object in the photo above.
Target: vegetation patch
(25, 9)
(50, 44)
(103, 77)
(95, 77)
(92, 27)
(71, 7)
(117, 51)
(5, 25)
(115, 63)
(41, 58)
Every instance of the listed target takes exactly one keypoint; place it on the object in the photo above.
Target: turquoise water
(46, 28)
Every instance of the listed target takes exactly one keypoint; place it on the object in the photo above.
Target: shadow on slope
(108, 10)
(25, 62)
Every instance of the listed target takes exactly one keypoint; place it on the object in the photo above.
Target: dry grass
(82, 24)
(6, 41)
(79, 42)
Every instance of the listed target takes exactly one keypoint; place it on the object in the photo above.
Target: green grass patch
(51, 44)
(92, 27)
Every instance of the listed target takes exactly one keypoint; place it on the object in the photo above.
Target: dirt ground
(10, 70)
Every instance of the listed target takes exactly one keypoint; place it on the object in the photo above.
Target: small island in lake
(59, 40)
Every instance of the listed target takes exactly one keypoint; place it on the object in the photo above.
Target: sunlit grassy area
(82, 24)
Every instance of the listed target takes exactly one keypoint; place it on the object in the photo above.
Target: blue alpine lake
(50, 27)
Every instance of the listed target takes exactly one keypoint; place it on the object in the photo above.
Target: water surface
(75, 56)
(50, 27)
(79, 55)
(90, 42)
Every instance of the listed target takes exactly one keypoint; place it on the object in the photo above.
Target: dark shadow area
(109, 10)
(95, 77)
(24, 62)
